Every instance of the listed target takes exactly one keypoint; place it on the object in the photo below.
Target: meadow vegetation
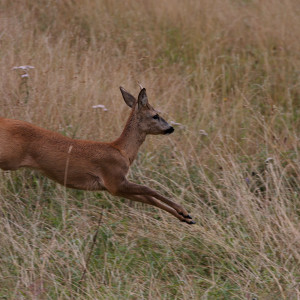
(228, 71)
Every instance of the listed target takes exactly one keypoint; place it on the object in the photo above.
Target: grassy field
(229, 72)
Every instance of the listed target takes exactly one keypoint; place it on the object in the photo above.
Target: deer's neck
(131, 139)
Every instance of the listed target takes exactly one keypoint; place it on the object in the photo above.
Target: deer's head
(146, 117)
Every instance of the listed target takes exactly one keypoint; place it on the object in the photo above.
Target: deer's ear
(128, 98)
(142, 98)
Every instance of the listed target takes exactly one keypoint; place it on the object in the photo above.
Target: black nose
(169, 130)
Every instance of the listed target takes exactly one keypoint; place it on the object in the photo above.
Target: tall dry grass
(228, 71)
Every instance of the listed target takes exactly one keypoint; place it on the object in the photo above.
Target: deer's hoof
(187, 216)
(190, 222)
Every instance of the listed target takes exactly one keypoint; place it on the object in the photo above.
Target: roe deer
(89, 165)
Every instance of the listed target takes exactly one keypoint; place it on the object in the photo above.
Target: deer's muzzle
(169, 130)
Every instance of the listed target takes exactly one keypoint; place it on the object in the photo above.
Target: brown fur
(88, 165)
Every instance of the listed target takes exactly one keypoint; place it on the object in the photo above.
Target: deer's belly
(87, 181)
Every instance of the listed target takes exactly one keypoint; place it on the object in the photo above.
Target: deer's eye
(155, 117)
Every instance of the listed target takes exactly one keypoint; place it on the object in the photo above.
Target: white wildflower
(177, 124)
(100, 106)
(269, 159)
(203, 132)
(24, 68)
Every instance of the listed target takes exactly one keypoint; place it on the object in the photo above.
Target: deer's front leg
(127, 189)
(152, 201)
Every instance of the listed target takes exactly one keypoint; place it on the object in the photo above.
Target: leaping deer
(89, 165)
